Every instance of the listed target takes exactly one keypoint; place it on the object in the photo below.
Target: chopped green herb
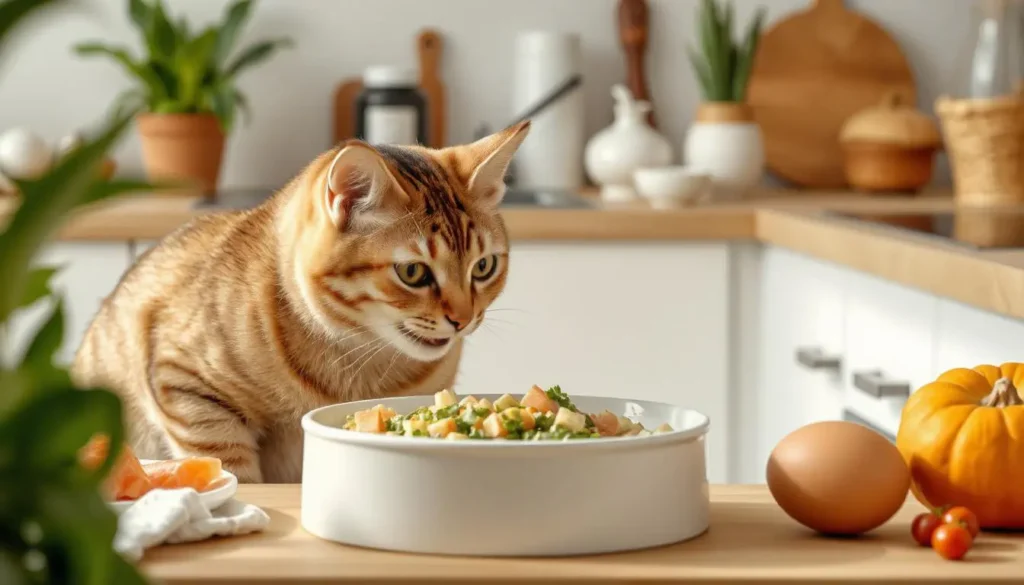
(512, 425)
(555, 393)
(463, 426)
(447, 411)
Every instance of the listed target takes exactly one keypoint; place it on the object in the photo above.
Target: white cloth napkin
(173, 516)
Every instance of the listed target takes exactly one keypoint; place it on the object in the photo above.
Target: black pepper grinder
(391, 109)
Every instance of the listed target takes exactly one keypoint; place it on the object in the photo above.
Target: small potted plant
(724, 140)
(186, 88)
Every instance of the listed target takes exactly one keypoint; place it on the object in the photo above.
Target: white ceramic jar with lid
(391, 109)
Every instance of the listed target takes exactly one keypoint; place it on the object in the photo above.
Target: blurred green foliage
(54, 525)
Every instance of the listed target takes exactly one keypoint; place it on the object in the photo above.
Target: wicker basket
(985, 143)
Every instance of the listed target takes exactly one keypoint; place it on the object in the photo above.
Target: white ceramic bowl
(671, 186)
(506, 498)
(212, 499)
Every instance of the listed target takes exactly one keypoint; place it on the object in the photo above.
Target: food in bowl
(540, 415)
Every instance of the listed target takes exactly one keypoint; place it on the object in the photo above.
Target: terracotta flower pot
(182, 147)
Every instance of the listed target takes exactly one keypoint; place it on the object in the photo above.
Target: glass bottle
(992, 63)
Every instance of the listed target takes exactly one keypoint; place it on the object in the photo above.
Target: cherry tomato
(961, 515)
(923, 527)
(952, 541)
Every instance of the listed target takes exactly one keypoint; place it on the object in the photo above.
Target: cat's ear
(360, 185)
(492, 155)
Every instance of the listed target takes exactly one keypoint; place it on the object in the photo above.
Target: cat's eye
(414, 274)
(485, 267)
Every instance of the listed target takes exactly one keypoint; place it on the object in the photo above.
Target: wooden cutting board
(428, 47)
(813, 70)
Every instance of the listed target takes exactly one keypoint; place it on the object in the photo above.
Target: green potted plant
(186, 87)
(724, 140)
(54, 525)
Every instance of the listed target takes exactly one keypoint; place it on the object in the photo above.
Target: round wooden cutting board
(813, 70)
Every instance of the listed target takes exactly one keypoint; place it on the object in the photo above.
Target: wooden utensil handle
(633, 32)
(635, 75)
(429, 44)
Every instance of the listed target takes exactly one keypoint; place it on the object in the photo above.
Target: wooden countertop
(750, 541)
(798, 220)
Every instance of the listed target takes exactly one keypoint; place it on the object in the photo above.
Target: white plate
(212, 499)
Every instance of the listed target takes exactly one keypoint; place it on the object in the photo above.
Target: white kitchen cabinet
(966, 337)
(889, 343)
(799, 356)
(90, 271)
(632, 320)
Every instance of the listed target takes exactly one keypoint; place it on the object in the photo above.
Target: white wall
(43, 86)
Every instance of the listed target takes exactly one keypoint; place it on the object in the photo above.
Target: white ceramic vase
(727, 144)
(629, 143)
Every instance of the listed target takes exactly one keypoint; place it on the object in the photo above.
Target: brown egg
(838, 477)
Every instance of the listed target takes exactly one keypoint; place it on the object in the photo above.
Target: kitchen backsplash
(48, 89)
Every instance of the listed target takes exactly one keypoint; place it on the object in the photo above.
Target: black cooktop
(987, 229)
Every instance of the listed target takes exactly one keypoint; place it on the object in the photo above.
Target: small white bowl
(211, 500)
(671, 186)
(506, 498)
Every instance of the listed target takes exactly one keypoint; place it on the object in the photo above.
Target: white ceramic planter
(505, 498)
(732, 153)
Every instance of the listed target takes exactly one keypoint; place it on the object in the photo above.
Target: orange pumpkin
(963, 438)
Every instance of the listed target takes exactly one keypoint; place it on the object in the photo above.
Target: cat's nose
(458, 325)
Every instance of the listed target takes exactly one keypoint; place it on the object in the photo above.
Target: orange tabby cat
(358, 280)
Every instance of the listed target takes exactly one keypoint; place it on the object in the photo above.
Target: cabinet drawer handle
(873, 383)
(814, 358)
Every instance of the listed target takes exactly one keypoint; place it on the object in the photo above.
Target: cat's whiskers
(353, 350)
(369, 359)
(387, 370)
(505, 309)
(497, 320)
(486, 326)
(376, 344)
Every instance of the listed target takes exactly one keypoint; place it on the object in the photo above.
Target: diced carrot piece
(607, 423)
(198, 473)
(127, 479)
(493, 427)
(370, 421)
(536, 398)
(385, 412)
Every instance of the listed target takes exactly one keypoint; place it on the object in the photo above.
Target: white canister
(552, 157)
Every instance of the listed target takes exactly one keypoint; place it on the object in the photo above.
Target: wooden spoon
(633, 33)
